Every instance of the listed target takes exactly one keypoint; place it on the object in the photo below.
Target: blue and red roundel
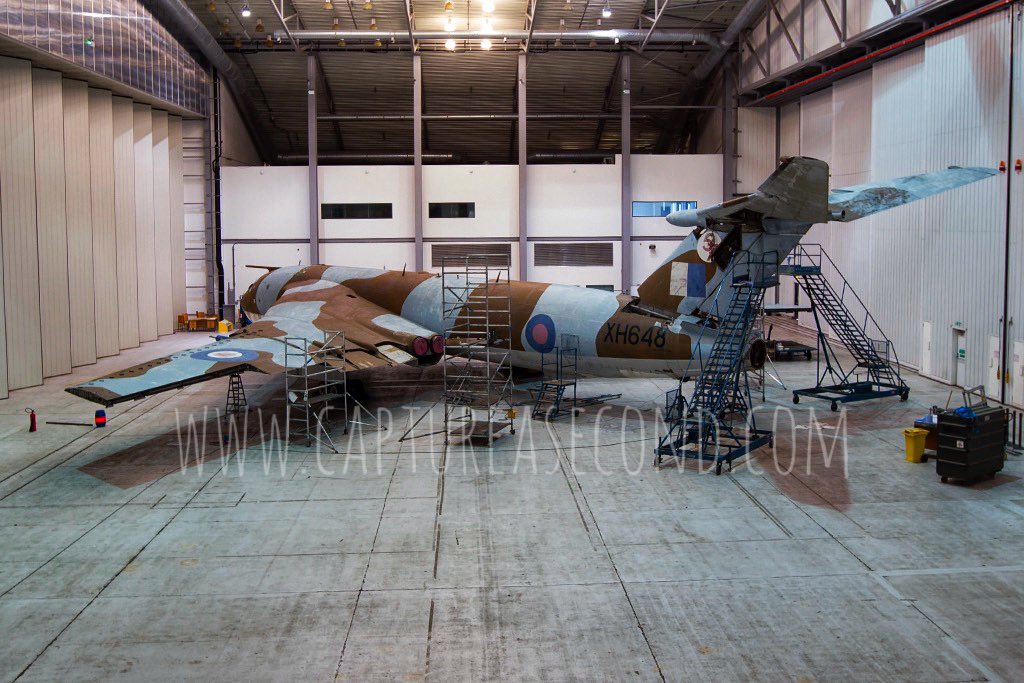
(540, 333)
(232, 355)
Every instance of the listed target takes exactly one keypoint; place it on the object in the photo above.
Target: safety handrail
(802, 251)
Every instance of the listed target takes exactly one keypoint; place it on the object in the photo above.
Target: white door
(1017, 378)
(926, 348)
(994, 370)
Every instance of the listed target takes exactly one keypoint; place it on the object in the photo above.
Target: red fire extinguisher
(31, 419)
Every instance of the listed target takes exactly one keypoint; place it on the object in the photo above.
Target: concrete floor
(558, 554)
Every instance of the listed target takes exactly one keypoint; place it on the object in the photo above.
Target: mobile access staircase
(556, 395)
(874, 357)
(717, 423)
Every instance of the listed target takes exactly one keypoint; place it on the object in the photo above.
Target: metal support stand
(476, 300)
(236, 401)
(556, 395)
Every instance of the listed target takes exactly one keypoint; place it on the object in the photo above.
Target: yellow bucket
(914, 438)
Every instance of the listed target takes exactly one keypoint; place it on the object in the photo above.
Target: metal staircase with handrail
(717, 422)
(873, 354)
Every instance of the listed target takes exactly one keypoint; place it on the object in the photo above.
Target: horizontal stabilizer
(850, 203)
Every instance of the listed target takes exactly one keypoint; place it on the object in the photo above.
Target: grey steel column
(728, 131)
(521, 132)
(417, 152)
(626, 181)
(314, 185)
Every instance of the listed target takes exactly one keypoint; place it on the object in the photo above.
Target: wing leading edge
(290, 332)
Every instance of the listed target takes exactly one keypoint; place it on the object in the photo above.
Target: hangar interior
(175, 170)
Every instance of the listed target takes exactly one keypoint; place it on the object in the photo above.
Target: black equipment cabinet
(971, 447)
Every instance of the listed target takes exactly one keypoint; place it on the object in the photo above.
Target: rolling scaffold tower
(717, 423)
(853, 326)
(476, 299)
(316, 387)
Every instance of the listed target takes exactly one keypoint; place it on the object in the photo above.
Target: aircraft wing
(850, 203)
(795, 191)
(303, 320)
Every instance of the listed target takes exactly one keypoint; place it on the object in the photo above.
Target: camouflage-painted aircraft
(395, 317)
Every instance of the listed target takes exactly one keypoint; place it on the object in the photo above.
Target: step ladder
(716, 423)
(875, 371)
(556, 395)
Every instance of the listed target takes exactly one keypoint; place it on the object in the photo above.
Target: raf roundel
(215, 355)
(540, 333)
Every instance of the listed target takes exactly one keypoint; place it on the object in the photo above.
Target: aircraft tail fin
(681, 282)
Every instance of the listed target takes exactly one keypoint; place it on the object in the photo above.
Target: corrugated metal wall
(68, 176)
(967, 94)
(162, 225)
(124, 212)
(104, 233)
(78, 203)
(1014, 370)
(939, 262)
(144, 230)
(755, 146)
(18, 209)
(177, 213)
(51, 221)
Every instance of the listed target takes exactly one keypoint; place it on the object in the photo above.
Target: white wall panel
(364, 184)
(393, 255)
(144, 223)
(967, 72)
(162, 224)
(237, 146)
(18, 211)
(816, 141)
(493, 188)
(573, 200)
(674, 177)
(756, 147)
(237, 256)
(898, 142)
(124, 213)
(51, 221)
(267, 202)
(105, 245)
(78, 204)
(177, 209)
(851, 165)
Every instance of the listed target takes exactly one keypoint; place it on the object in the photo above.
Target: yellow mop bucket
(914, 438)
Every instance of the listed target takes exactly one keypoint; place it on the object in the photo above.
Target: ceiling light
(246, 11)
(488, 6)
(341, 42)
(225, 28)
(259, 26)
(238, 43)
(592, 44)
(328, 6)
(568, 5)
(448, 6)
(377, 43)
(607, 11)
(368, 6)
(449, 24)
(212, 6)
(485, 44)
(558, 42)
(373, 24)
(450, 44)
(336, 24)
(269, 42)
(616, 40)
